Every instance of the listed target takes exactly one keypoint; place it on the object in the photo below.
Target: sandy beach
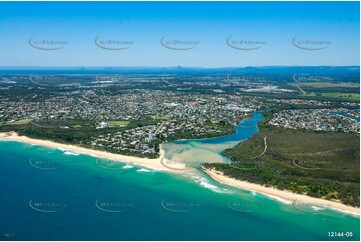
(157, 164)
(164, 164)
(286, 195)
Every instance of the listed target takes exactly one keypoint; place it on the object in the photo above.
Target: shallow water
(195, 152)
(49, 194)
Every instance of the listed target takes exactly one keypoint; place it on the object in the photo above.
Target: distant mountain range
(347, 73)
(179, 68)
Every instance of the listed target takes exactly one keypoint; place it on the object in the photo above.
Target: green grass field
(156, 117)
(19, 122)
(340, 95)
(118, 123)
(330, 84)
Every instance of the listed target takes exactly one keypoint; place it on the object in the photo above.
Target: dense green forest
(319, 164)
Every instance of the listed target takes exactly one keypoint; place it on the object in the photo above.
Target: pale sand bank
(286, 195)
(156, 164)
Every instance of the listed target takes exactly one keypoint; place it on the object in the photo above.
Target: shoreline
(286, 195)
(158, 164)
(155, 164)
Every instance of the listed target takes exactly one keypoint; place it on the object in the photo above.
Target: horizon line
(178, 66)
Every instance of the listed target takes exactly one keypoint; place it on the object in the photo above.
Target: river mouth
(126, 196)
(193, 153)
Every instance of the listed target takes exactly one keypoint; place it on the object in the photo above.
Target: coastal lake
(50, 194)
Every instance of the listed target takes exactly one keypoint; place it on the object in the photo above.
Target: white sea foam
(204, 182)
(70, 153)
(279, 199)
(208, 185)
(316, 208)
(143, 170)
(127, 167)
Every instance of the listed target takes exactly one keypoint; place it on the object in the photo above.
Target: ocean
(50, 194)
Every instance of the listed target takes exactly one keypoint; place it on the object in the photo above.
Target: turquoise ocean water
(49, 194)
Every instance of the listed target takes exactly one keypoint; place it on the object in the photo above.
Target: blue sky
(274, 24)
